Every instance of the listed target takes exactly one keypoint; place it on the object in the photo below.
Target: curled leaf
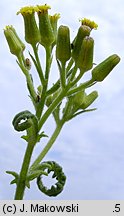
(58, 174)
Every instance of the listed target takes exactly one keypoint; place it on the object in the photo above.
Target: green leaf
(25, 138)
(83, 111)
(39, 136)
(15, 180)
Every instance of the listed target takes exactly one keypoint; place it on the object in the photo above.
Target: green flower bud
(85, 57)
(63, 47)
(101, 71)
(32, 34)
(22, 44)
(46, 30)
(89, 99)
(16, 46)
(54, 21)
(78, 98)
(82, 33)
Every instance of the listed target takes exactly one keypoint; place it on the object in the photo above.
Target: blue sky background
(91, 147)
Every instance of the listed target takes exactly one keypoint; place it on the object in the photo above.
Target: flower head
(54, 18)
(32, 34)
(89, 23)
(26, 10)
(42, 8)
(45, 27)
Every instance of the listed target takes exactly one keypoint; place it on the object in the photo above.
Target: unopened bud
(82, 33)
(85, 58)
(16, 46)
(22, 44)
(78, 98)
(54, 21)
(63, 46)
(89, 99)
(101, 71)
(32, 34)
(46, 30)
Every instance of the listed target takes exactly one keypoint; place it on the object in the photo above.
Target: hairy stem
(23, 173)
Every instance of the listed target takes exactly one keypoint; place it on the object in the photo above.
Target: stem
(54, 88)
(73, 74)
(48, 145)
(29, 80)
(63, 75)
(39, 68)
(47, 71)
(30, 87)
(69, 65)
(23, 173)
(57, 84)
(81, 87)
(48, 62)
(77, 78)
